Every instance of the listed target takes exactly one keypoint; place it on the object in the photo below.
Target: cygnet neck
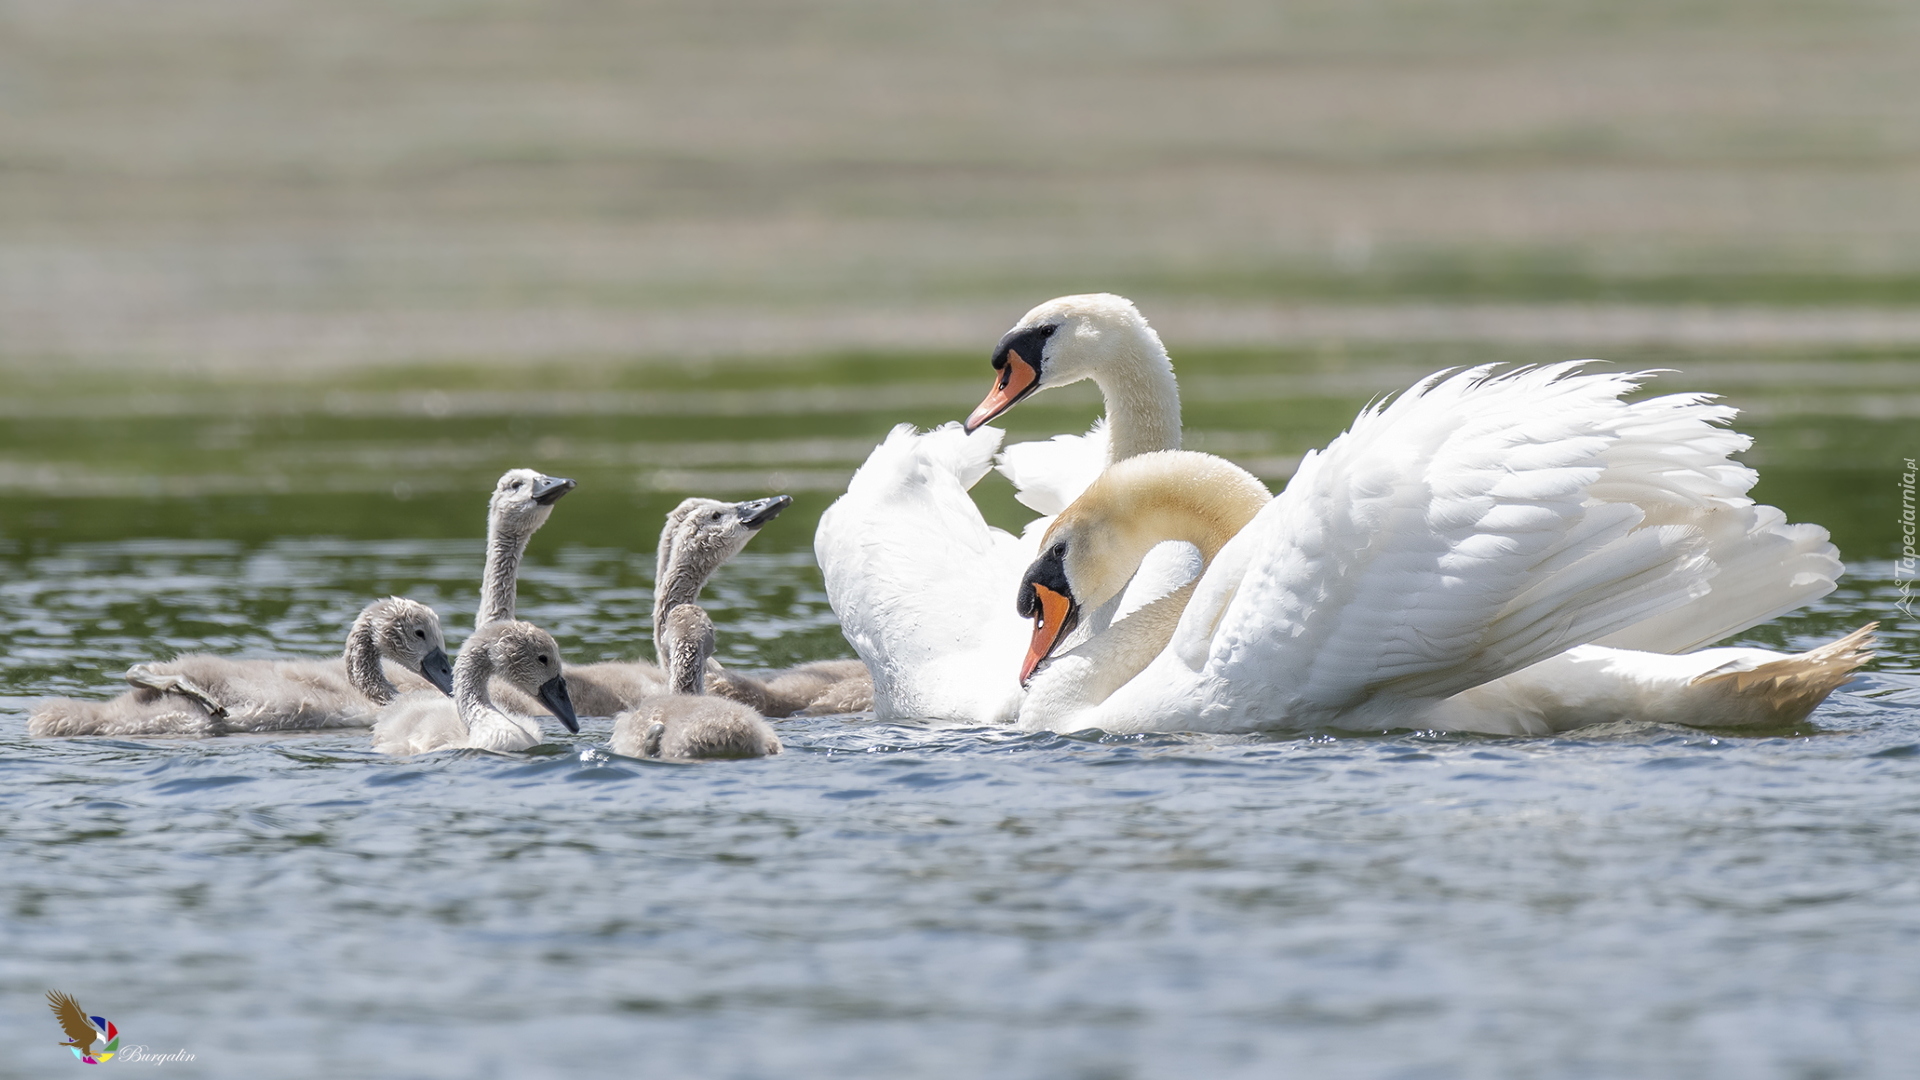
(500, 578)
(678, 578)
(364, 670)
(686, 660)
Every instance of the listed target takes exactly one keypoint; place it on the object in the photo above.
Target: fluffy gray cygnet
(685, 724)
(518, 654)
(198, 694)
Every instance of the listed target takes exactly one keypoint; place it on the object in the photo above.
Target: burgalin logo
(83, 1030)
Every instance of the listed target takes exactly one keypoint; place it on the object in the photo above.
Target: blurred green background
(271, 268)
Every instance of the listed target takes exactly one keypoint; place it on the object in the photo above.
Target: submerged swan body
(198, 694)
(1442, 564)
(915, 574)
(520, 655)
(685, 724)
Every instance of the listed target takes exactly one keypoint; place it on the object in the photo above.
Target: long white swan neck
(1180, 495)
(364, 670)
(471, 674)
(1143, 400)
(500, 578)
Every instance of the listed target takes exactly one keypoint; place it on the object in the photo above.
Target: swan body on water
(1441, 565)
(517, 654)
(685, 724)
(200, 694)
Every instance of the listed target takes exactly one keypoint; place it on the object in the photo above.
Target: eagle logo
(83, 1030)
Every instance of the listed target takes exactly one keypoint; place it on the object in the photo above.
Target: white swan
(914, 572)
(684, 724)
(520, 655)
(1420, 570)
(198, 694)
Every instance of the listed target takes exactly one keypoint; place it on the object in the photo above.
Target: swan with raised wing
(1510, 553)
(914, 572)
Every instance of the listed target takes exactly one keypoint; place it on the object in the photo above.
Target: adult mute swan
(520, 655)
(1487, 552)
(914, 572)
(198, 694)
(684, 724)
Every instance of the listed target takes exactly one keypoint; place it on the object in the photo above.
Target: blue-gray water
(889, 901)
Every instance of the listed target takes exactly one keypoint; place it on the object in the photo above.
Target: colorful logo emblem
(93, 1039)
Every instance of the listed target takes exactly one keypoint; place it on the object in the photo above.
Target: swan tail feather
(1788, 689)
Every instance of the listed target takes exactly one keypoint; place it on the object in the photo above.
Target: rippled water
(890, 901)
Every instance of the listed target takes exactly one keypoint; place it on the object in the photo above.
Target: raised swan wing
(1473, 526)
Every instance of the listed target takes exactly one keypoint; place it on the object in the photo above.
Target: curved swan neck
(1143, 400)
(1176, 495)
(364, 670)
(501, 577)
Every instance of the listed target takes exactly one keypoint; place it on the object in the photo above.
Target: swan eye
(1060, 549)
(421, 634)
(515, 486)
(543, 661)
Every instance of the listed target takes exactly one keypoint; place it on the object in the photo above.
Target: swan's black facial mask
(1047, 599)
(1018, 359)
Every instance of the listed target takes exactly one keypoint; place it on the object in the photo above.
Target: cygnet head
(1095, 545)
(1063, 341)
(526, 657)
(523, 499)
(705, 533)
(407, 632)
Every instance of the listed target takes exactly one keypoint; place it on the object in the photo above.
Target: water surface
(889, 900)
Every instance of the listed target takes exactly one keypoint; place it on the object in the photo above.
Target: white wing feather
(923, 586)
(1472, 527)
(1047, 476)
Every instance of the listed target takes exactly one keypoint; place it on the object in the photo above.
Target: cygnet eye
(421, 634)
(543, 661)
(515, 486)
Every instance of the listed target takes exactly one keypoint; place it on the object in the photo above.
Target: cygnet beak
(548, 489)
(553, 694)
(760, 511)
(435, 669)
